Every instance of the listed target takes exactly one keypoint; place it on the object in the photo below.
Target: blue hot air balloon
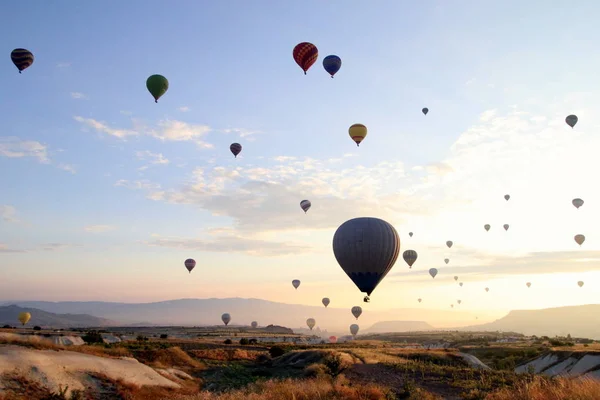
(332, 64)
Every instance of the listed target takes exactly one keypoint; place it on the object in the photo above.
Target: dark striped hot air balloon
(235, 148)
(190, 264)
(305, 54)
(410, 256)
(22, 58)
(305, 205)
(332, 64)
(366, 249)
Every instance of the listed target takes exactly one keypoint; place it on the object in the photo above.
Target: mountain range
(10, 313)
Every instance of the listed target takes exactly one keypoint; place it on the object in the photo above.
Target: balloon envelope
(190, 263)
(296, 283)
(305, 54)
(226, 318)
(157, 86)
(325, 301)
(357, 132)
(410, 256)
(456, 278)
(332, 64)
(305, 205)
(410, 234)
(332, 339)
(487, 289)
(579, 239)
(487, 227)
(354, 329)
(311, 323)
(366, 249)
(507, 197)
(433, 272)
(22, 58)
(254, 324)
(425, 110)
(419, 300)
(449, 243)
(24, 317)
(356, 311)
(505, 227)
(235, 148)
(577, 202)
(571, 120)
(446, 260)
(460, 284)
(580, 283)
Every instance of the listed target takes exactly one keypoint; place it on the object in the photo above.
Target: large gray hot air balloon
(325, 301)
(449, 243)
(580, 283)
(571, 120)
(419, 300)
(310, 323)
(226, 318)
(459, 301)
(579, 239)
(487, 227)
(507, 197)
(446, 260)
(506, 226)
(366, 249)
(577, 202)
(460, 284)
(410, 256)
(305, 205)
(425, 110)
(410, 234)
(296, 283)
(254, 324)
(353, 329)
(356, 311)
(455, 278)
(433, 272)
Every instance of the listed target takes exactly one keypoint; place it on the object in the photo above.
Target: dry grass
(169, 357)
(310, 389)
(541, 388)
(224, 354)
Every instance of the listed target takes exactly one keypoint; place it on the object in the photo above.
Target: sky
(105, 193)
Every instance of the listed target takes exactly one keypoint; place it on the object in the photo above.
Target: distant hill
(9, 314)
(398, 326)
(578, 321)
(204, 312)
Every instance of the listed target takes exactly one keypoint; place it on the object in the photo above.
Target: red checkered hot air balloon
(305, 55)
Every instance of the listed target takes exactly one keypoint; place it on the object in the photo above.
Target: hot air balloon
(22, 58)
(571, 120)
(235, 148)
(310, 323)
(456, 278)
(577, 203)
(296, 283)
(356, 311)
(433, 272)
(305, 54)
(332, 64)
(459, 301)
(410, 234)
(505, 227)
(410, 256)
(419, 300)
(354, 329)
(226, 318)
(366, 249)
(487, 289)
(190, 263)
(446, 260)
(487, 227)
(507, 197)
(332, 339)
(305, 205)
(157, 86)
(452, 305)
(579, 239)
(24, 317)
(254, 324)
(460, 284)
(425, 110)
(449, 243)
(528, 284)
(357, 132)
(325, 301)
(580, 283)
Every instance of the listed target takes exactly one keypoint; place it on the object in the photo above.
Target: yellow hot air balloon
(358, 132)
(24, 317)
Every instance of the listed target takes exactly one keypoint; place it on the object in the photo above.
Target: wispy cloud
(67, 167)
(8, 213)
(5, 249)
(58, 246)
(99, 228)
(104, 128)
(14, 147)
(63, 64)
(141, 184)
(243, 133)
(184, 109)
(155, 158)
(78, 95)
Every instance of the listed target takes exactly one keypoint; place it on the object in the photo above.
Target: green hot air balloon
(157, 86)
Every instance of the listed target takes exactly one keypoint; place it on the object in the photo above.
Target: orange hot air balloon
(305, 54)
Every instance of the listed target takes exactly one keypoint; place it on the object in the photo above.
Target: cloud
(58, 246)
(103, 128)
(155, 158)
(9, 214)
(5, 249)
(67, 167)
(184, 109)
(13, 147)
(63, 65)
(232, 244)
(243, 133)
(78, 95)
(141, 184)
(99, 228)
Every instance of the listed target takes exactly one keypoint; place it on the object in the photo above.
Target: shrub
(141, 338)
(7, 327)
(92, 337)
(227, 341)
(244, 341)
(252, 341)
(276, 351)
(164, 336)
(37, 328)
